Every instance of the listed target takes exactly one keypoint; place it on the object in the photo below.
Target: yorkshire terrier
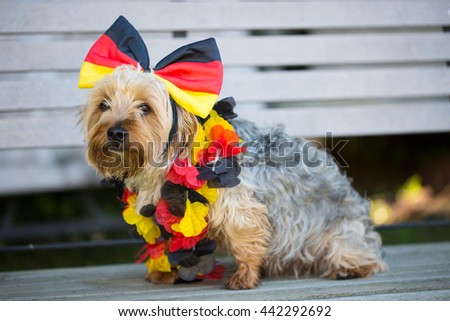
(283, 218)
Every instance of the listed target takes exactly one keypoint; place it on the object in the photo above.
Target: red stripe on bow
(194, 76)
(106, 53)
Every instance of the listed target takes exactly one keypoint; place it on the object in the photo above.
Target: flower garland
(175, 228)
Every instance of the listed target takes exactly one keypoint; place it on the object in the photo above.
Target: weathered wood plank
(370, 119)
(359, 120)
(18, 56)
(96, 282)
(27, 172)
(69, 18)
(274, 86)
(365, 83)
(24, 95)
(321, 290)
(293, 290)
(407, 260)
(416, 272)
(433, 295)
(35, 132)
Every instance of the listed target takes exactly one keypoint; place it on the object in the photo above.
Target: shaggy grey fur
(320, 222)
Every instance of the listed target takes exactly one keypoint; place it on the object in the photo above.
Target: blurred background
(53, 212)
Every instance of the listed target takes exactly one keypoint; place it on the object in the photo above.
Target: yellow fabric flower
(210, 194)
(149, 230)
(193, 221)
(129, 214)
(199, 144)
(159, 264)
(145, 226)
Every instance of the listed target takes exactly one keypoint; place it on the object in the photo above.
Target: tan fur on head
(124, 92)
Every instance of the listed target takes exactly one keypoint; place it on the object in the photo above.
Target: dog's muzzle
(117, 134)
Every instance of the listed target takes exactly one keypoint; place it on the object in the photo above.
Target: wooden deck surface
(417, 272)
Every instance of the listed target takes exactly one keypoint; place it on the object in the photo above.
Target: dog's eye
(104, 106)
(145, 109)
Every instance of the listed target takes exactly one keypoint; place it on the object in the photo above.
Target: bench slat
(276, 86)
(425, 271)
(59, 168)
(373, 119)
(327, 49)
(318, 85)
(70, 18)
(46, 179)
(248, 51)
(41, 94)
(395, 118)
(50, 131)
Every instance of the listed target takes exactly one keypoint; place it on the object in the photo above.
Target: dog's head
(127, 122)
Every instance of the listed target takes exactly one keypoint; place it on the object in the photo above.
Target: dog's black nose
(117, 134)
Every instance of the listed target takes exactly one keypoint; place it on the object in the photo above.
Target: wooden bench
(350, 68)
(420, 272)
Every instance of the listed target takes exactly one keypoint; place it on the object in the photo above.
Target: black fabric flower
(223, 173)
(148, 210)
(204, 266)
(195, 261)
(176, 196)
(224, 108)
(114, 182)
(190, 258)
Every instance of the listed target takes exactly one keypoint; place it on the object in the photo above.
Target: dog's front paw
(158, 277)
(242, 282)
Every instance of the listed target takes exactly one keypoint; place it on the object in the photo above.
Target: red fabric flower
(126, 194)
(163, 216)
(185, 174)
(179, 241)
(224, 143)
(218, 133)
(153, 251)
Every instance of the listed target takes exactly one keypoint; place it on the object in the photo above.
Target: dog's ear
(183, 140)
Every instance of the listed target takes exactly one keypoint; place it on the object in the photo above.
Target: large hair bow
(192, 74)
